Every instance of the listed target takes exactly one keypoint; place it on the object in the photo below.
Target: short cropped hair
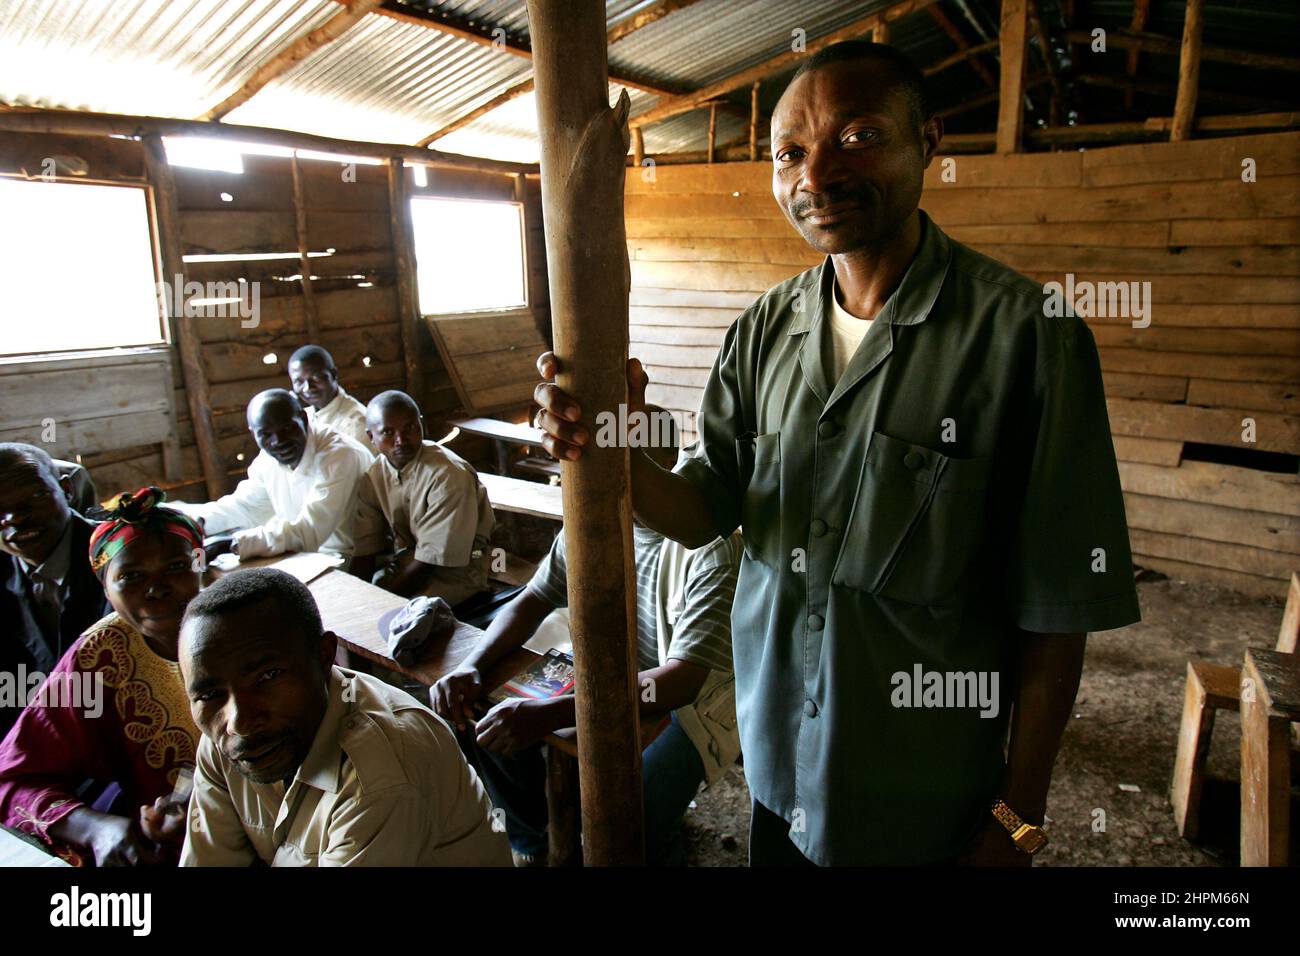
(904, 75)
(308, 352)
(291, 605)
(14, 453)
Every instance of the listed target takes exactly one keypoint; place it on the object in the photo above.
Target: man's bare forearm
(1050, 666)
(668, 503)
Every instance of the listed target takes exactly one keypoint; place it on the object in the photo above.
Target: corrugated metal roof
(384, 80)
(172, 58)
(393, 80)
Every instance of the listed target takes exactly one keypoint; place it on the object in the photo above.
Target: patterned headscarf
(128, 516)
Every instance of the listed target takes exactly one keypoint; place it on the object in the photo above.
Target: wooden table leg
(562, 808)
(1265, 775)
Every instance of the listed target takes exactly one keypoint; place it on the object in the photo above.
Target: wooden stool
(1212, 687)
(1270, 701)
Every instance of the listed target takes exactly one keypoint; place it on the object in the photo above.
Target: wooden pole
(1189, 72)
(753, 121)
(638, 147)
(1011, 88)
(188, 345)
(1139, 23)
(881, 32)
(584, 147)
(408, 298)
(713, 128)
(304, 261)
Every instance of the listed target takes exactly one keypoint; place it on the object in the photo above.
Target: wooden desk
(524, 497)
(503, 435)
(1270, 701)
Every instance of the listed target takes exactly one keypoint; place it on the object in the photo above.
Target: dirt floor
(1123, 736)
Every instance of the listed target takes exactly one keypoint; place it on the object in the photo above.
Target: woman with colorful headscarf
(113, 715)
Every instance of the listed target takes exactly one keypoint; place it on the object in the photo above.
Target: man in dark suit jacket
(48, 593)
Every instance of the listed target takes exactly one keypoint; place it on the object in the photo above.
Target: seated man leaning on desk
(426, 503)
(306, 764)
(683, 613)
(300, 493)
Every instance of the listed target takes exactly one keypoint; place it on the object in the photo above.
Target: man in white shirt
(306, 764)
(315, 380)
(300, 493)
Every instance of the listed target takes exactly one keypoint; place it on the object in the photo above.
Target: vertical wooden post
(408, 298)
(1189, 72)
(880, 33)
(638, 146)
(713, 128)
(304, 263)
(1011, 89)
(584, 149)
(188, 344)
(753, 122)
(1139, 23)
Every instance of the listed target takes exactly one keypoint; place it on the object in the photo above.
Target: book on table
(551, 675)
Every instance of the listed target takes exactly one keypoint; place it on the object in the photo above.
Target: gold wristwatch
(1027, 837)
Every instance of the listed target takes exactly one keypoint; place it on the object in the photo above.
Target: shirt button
(816, 622)
(818, 528)
(913, 460)
(810, 708)
(828, 429)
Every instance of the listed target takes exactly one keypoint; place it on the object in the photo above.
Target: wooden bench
(1270, 703)
(524, 497)
(1212, 687)
(504, 435)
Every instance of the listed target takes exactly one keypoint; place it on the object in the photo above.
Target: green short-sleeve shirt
(957, 485)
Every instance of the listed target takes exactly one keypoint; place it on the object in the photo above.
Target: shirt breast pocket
(916, 523)
(761, 513)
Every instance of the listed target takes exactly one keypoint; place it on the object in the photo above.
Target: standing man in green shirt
(921, 461)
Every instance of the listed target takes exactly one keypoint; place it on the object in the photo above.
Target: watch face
(1033, 841)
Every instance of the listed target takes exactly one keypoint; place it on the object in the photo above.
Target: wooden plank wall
(1223, 257)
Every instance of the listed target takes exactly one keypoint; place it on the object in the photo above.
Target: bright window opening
(470, 255)
(86, 260)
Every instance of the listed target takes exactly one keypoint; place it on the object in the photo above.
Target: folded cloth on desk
(416, 623)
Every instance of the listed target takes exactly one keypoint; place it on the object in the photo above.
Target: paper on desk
(306, 566)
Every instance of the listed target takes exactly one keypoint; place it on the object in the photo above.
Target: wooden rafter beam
(1011, 86)
(1240, 101)
(496, 38)
(1167, 46)
(291, 55)
(645, 17)
(964, 49)
(991, 96)
(514, 92)
(675, 106)
(21, 120)
(961, 56)
(1189, 71)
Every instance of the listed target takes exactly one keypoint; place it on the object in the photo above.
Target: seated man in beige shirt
(422, 502)
(303, 763)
